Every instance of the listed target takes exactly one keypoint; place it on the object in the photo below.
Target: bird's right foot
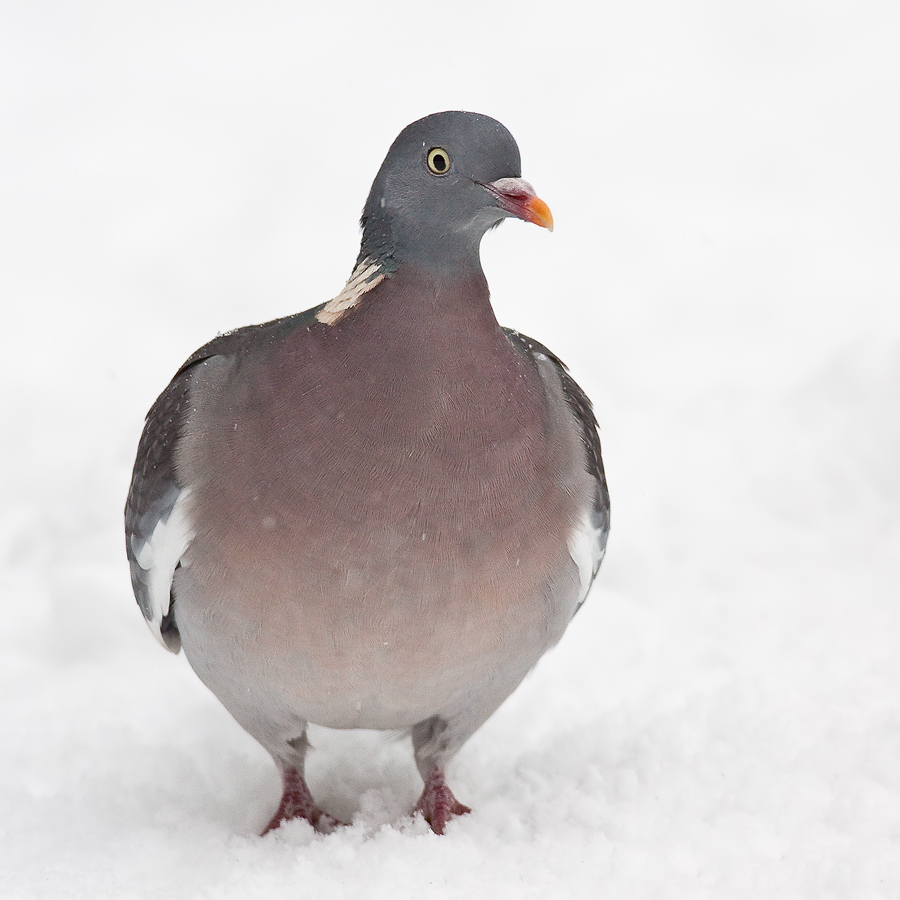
(297, 803)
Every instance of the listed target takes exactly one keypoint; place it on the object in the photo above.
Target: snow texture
(722, 719)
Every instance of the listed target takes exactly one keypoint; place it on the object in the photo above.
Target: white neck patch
(364, 277)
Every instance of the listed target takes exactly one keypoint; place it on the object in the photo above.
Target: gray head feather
(436, 221)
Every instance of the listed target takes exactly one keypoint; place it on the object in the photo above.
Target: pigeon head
(445, 181)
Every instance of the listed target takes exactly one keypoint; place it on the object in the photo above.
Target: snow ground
(723, 717)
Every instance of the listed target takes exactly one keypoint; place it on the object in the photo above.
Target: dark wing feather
(583, 411)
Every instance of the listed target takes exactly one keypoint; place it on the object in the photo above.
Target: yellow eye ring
(438, 161)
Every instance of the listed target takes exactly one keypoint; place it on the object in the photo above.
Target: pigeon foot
(297, 803)
(437, 803)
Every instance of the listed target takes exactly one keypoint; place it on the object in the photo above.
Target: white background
(723, 717)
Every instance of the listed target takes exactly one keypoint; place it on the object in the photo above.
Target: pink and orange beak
(517, 197)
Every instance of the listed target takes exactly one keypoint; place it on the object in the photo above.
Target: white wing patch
(159, 557)
(586, 549)
(364, 277)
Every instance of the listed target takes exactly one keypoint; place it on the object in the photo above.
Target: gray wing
(155, 534)
(589, 545)
(158, 529)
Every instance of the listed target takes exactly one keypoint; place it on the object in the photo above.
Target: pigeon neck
(383, 256)
(413, 307)
(430, 247)
(382, 282)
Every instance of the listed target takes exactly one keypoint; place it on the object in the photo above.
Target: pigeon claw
(437, 803)
(297, 803)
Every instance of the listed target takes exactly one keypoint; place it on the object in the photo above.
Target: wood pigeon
(381, 512)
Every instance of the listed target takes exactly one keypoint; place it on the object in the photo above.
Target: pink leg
(437, 803)
(297, 803)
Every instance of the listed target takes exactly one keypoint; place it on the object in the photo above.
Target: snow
(722, 719)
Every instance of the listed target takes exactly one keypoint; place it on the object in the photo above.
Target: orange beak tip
(539, 213)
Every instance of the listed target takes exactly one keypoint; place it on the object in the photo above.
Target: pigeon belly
(373, 575)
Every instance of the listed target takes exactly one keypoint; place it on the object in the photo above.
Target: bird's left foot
(437, 803)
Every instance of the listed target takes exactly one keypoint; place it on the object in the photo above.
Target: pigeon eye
(438, 161)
